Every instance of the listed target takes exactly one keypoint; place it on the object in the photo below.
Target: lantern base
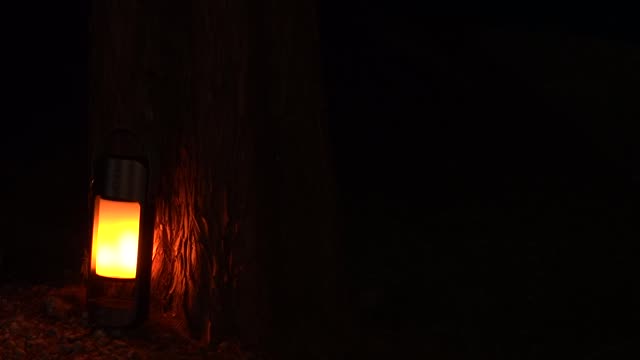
(108, 312)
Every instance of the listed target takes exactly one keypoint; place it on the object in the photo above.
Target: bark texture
(225, 97)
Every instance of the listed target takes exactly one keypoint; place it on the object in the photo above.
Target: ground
(48, 322)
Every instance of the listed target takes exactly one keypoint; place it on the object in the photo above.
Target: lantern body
(116, 231)
(121, 239)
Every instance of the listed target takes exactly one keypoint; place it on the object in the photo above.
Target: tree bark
(226, 99)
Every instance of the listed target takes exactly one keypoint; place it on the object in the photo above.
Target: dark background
(484, 160)
(44, 138)
(485, 163)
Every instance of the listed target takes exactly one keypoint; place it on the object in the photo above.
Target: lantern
(121, 239)
(116, 228)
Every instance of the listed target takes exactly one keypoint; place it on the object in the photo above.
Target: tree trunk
(226, 99)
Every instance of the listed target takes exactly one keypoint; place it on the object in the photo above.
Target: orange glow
(116, 226)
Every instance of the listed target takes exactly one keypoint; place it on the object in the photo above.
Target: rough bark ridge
(225, 97)
(202, 207)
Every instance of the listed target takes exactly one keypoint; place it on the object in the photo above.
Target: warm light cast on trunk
(115, 238)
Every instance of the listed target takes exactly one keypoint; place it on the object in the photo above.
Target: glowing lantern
(116, 228)
(121, 240)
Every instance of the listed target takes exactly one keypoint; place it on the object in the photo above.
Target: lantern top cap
(121, 179)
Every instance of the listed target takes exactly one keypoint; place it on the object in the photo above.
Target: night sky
(484, 162)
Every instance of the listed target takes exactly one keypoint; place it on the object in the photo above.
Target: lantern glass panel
(116, 228)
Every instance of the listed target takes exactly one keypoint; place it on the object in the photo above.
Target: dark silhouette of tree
(227, 100)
